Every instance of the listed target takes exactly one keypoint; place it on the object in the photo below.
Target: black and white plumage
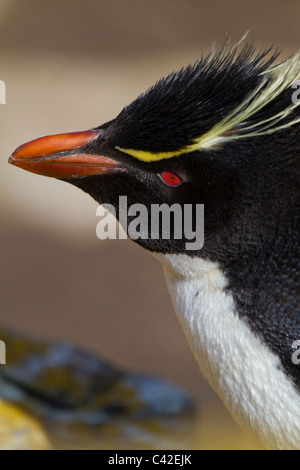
(228, 128)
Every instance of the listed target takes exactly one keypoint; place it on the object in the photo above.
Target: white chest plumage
(239, 366)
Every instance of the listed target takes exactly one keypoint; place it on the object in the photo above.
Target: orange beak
(61, 156)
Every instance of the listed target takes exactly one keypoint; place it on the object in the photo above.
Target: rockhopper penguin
(224, 132)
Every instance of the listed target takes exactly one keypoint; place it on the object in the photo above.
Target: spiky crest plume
(228, 95)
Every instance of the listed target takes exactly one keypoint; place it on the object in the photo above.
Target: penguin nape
(224, 132)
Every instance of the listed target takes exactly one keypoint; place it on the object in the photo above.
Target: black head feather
(188, 103)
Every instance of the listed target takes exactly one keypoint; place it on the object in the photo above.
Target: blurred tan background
(71, 65)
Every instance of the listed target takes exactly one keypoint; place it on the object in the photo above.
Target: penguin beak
(63, 156)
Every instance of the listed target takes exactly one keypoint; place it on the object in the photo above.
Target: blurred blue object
(65, 387)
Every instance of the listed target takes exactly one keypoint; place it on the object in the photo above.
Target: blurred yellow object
(20, 431)
(53, 392)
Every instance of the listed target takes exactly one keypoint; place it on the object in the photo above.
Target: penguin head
(214, 133)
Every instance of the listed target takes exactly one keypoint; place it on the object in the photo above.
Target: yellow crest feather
(276, 80)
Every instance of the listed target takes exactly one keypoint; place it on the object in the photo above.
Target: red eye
(170, 179)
